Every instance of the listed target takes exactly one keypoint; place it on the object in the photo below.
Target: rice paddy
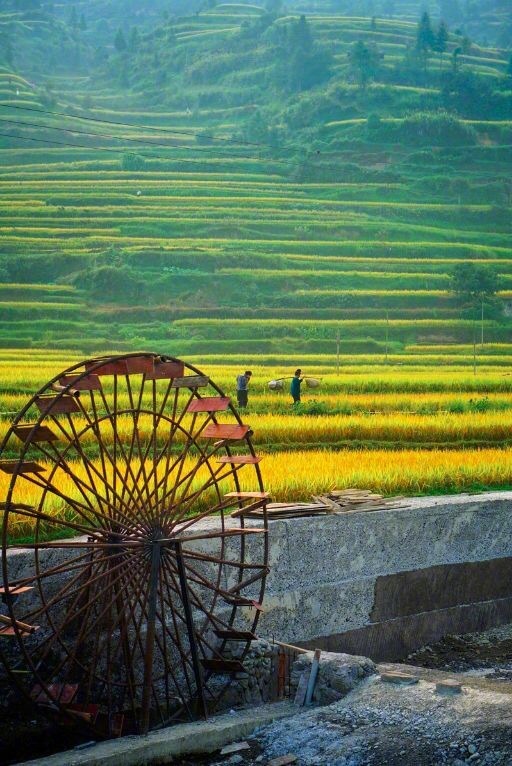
(266, 256)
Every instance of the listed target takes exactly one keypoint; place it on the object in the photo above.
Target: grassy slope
(370, 223)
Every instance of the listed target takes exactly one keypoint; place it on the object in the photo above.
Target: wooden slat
(62, 693)
(252, 508)
(14, 591)
(9, 632)
(57, 405)
(87, 713)
(236, 635)
(190, 381)
(209, 404)
(240, 601)
(248, 495)
(23, 626)
(239, 459)
(84, 383)
(132, 366)
(223, 666)
(166, 370)
(224, 431)
(27, 466)
(36, 433)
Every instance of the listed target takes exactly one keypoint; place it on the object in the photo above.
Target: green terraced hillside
(244, 182)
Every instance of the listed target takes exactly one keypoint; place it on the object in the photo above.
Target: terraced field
(238, 247)
(186, 217)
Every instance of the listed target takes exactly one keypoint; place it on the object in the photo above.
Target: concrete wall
(380, 583)
(384, 583)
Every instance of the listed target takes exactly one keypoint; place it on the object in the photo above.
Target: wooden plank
(15, 591)
(62, 693)
(240, 601)
(239, 459)
(236, 635)
(223, 666)
(302, 687)
(87, 713)
(209, 404)
(166, 370)
(132, 365)
(36, 433)
(81, 383)
(57, 405)
(225, 431)
(247, 510)
(27, 466)
(190, 381)
(248, 495)
(23, 626)
(8, 632)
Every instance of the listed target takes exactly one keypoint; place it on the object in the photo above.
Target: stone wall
(383, 583)
(378, 583)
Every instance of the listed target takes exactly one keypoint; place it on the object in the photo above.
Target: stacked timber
(336, 501)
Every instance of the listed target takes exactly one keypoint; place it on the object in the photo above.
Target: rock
(283, 760)
(449, 686)
(235, 747)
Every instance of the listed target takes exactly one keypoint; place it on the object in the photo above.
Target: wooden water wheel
(135, 595)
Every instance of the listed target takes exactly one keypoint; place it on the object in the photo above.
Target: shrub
(132, 161)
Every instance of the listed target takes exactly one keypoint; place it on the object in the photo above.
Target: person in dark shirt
(242, 388)
(295, 386)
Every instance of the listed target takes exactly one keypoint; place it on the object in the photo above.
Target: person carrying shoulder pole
(295, 386)
(242, 388)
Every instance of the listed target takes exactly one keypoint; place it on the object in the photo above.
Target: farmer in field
(242, 388)
(295, 386)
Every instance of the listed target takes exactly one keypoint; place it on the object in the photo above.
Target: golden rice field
(407, 430)
(297, 475)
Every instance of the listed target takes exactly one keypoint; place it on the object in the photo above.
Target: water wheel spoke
(34, 513)
(111, 416)
(185, 502)
(106, 496)
(196, 600)
(71, 615)
(66, 590)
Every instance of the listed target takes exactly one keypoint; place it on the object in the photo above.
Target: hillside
(267, 182)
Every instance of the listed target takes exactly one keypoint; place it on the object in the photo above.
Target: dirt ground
(376, 725)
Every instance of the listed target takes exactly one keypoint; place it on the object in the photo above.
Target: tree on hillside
(364, 62)
(455, 59)
(119, 41)
(476, 286)
(134, 40)
(425, 38)
(301, 37)
(474, 282)
(441, 40)
(305, 64)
